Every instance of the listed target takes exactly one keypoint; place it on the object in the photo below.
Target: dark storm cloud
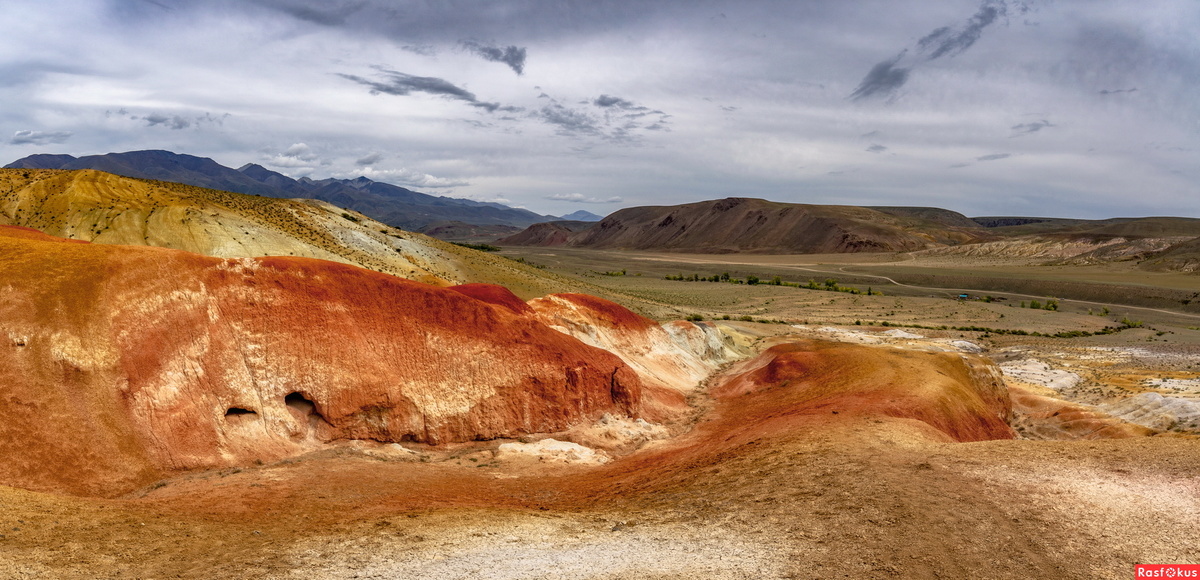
(618, 121)
(371, 159)
(945, 41)
(421, 49)
(174, 122)
(513, 56)
(443, 23)
(1027, 128)
(316, 12)
(569, 121)
(994, 157)
(888, 76)
(403, 84)
(40, 137)
(608, 102)
(1115, 91)
(884, 78)
(876, 148)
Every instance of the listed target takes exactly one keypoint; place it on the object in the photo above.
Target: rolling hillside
(758, 226)
(109, 209)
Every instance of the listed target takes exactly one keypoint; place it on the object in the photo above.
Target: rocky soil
(832, 450)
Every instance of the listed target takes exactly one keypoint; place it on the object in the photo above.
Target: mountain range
(393, 205)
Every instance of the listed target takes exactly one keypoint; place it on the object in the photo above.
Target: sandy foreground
(743, 494)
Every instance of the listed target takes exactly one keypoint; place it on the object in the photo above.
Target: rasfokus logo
(1167, 571)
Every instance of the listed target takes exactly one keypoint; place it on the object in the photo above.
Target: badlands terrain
(201, 384)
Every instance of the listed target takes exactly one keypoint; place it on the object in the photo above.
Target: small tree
(752, 280)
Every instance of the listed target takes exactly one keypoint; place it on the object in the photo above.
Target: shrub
(480, 247)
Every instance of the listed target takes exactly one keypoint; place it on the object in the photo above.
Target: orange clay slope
(119, 363)
(961, 397)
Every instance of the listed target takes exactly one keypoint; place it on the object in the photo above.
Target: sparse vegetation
(1014, 331)
(480, 247)
(830, 285)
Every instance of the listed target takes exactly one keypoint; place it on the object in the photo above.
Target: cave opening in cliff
(238, 412)
(300, 403)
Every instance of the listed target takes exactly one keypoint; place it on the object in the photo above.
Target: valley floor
(741, 494)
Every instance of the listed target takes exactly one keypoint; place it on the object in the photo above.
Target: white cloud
(300, 151)
(581, 198)
(404, 177)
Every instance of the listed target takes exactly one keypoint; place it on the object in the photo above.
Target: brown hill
(456, 231)
(109, 209)
(755, 225)
(1145, 227)
(1181, 257)
(545, 234)
(932, 214)
(118, 363)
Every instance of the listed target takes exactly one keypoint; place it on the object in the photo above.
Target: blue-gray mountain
(582, 215)
(390, 204)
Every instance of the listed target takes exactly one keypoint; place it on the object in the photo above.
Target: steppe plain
(744, 489)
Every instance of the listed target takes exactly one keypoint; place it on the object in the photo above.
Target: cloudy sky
(1073, 108)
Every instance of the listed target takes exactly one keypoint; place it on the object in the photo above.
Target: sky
(1065, 108)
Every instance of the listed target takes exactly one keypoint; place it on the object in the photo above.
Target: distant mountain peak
(41, 161)
(582, 216)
